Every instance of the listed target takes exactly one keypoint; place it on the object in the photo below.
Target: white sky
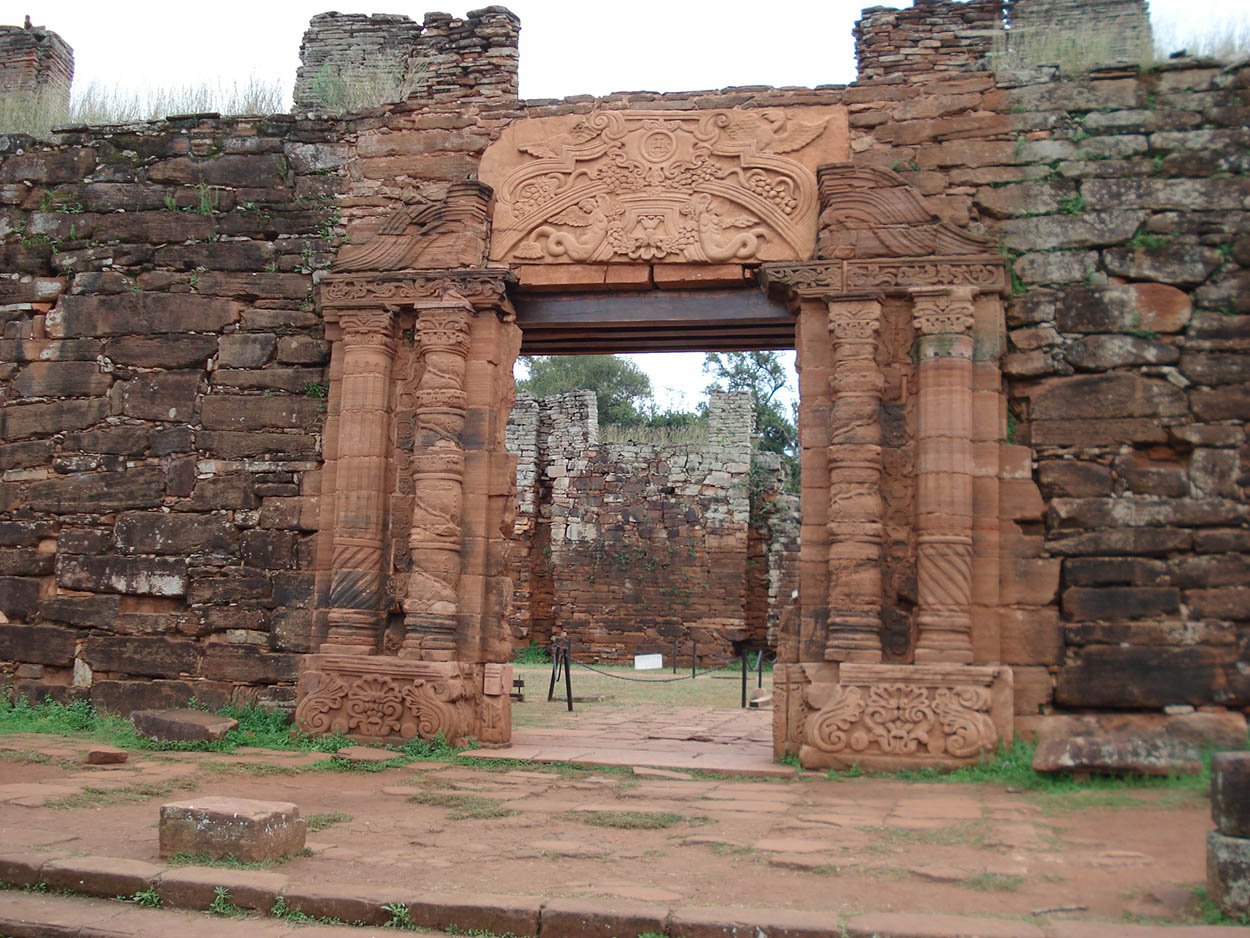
(567, 47)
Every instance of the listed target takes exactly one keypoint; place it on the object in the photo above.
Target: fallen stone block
(106, 755)
(1228, 873)
(247, 830)
(1138, 744)
(1230, 793)
(366, 755)
(181, 725)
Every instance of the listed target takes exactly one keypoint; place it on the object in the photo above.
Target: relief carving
(451, 233)
(873, 213)
(703, 186)
(892, 710)
(388, 698)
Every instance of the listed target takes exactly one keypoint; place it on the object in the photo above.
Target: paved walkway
(721, 740)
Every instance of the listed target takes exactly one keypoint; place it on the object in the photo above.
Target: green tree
(621, 388)
(763, 375)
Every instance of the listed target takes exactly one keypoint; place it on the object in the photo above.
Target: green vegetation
(1147, 240)
(91, 797)
(462, 807)
(1211, 914)
(532, 654)
(223, 903)
(359, 89)
(994, 882)
(258, 726)
(230, 861)
(39, 114)
(629, 820)
(400, 916)
(288, 913)
(319, 822)
(622, 389)
(147, 898)
(1073, 206)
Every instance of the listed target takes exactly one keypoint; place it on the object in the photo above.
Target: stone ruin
(256, 376)
(35, 61)
(651, 541)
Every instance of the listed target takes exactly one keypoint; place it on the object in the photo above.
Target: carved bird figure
(774, 131)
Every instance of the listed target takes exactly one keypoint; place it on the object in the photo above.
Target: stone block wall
(1095, 32)
(443, 56)
(162, 379)
(35, 60)
(927, 37)
(627, 545)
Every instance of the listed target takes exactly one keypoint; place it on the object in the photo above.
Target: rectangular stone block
(247, 830)
(496, 915)
(47, 418)
(62, 379)
(1230, 793)
(99, 876)
(1148, 678)
(99, 491)
(158, 657)
(582, 918)
(140, 576)
(139, 314)
(195, 887)
(1228, 873)
(37, 644)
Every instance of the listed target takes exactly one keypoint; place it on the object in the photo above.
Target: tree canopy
(622, 389)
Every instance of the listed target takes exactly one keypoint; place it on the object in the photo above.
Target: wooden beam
(669, 320)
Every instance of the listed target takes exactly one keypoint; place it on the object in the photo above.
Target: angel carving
(717, 243)
(591, 216)
(775, 131)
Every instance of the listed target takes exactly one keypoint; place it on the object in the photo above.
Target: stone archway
(889, 660)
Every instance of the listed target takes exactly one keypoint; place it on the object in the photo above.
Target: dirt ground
(801, 842)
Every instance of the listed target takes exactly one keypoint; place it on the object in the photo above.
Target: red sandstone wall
(161, 386)
(1122, 198)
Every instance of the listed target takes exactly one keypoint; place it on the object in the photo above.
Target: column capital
(944, 311)
(854, 319)
(444, 326)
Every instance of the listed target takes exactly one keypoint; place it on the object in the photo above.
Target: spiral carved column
(432, 603)
(944, 320)
(855, 504)
(357, 584)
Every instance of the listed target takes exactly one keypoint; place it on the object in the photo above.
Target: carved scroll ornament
(893, 710)
(699, 186)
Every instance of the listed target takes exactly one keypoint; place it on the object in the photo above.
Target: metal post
(760, 665)
(555, 669)
(694, 657)
(568, 671)
(745, 666)
(674, 654)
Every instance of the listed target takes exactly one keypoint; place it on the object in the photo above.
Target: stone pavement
(710, 740)
(658, 846)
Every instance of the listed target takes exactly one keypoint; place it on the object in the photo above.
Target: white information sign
(648, 662)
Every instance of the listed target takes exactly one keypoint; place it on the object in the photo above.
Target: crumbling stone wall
(1098, 32)
(162, 392)
(627, 545)
(35, 60)
(474, 56)
(160, 457)
(927, 37)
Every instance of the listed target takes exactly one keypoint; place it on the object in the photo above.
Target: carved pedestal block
(381, 699)
(888, 718)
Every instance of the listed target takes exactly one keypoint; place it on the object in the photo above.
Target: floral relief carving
(374, 706)
(903, 717)
(699, 186)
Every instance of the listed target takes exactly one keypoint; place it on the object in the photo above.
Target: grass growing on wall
(39, 114)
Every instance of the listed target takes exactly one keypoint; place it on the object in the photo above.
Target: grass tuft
(629, 820)
(462, 807)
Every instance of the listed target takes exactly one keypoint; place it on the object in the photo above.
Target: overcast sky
(567, 47)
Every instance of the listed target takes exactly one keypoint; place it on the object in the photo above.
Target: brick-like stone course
(628, 543)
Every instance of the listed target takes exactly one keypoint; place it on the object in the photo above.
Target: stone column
(944, 319)
(855, 506)
(442, 338)
(357, 585)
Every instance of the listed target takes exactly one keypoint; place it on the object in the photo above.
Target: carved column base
(382, 699)
(888, 718)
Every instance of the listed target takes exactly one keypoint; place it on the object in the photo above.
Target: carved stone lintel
(948, 311)
(895, 717)
(706, 186)
(791, 282)
(383, 699)
(485, 289)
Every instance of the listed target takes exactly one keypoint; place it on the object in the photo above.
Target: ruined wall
(1121, 199)
(926, 38)
(163, 385)
(1096, 32)
(627, 544)
(475, 56)
(35, 60)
